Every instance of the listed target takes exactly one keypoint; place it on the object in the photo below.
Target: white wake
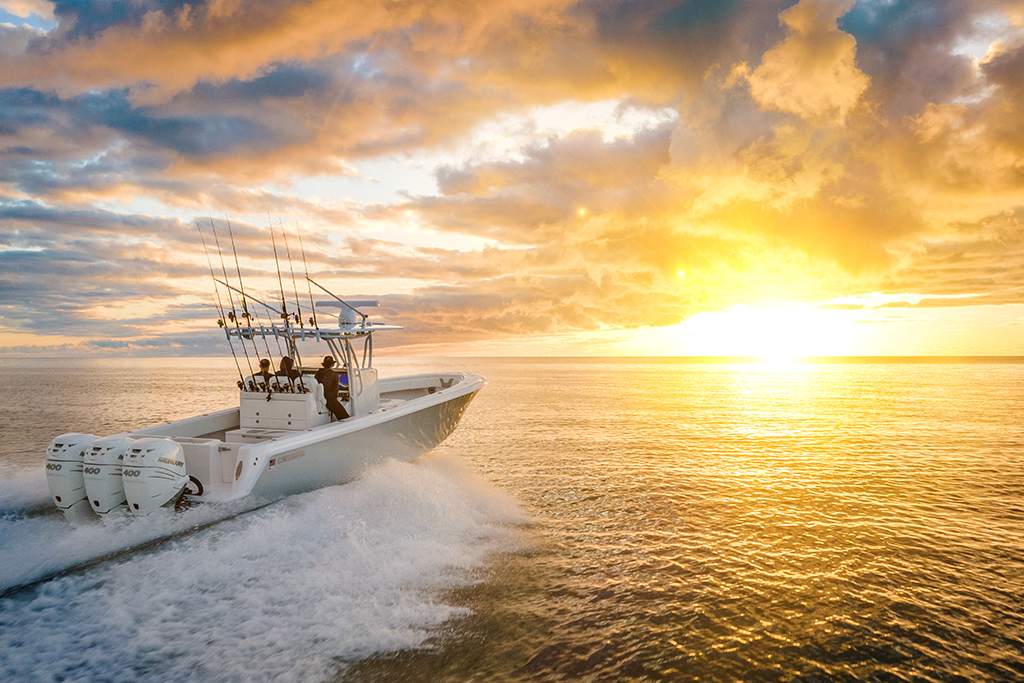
(276, 594)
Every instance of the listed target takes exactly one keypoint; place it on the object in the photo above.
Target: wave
(284, 593)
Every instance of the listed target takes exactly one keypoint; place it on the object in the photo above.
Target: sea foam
(282, 593)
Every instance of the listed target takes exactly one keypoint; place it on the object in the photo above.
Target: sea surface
(590, 520)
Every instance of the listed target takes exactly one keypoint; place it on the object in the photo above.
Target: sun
(778, 333)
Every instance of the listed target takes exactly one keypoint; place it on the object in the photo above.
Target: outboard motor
(103, 473)
(65, 477)
(153, 472)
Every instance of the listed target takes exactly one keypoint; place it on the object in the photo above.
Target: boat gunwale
(471, 383)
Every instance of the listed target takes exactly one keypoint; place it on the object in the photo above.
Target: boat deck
(211, 442)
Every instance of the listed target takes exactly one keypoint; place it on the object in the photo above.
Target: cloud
(821, 149)
(306, 87)
(26, 8)
(909, 49)
(812, 73)
(840, 181)
(14, 39)
(317, 90)
(158, 51)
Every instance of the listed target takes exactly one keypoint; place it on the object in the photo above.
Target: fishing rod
(280, 283)
(284, 303)
(347, 305)
(295, 291)
(255, 299)
(220, 306)
(262, 332)
(350, 356)
(306, 268)
(233, 317)
(291, 268)
(244, 296)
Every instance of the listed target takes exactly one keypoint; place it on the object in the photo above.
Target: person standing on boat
(329, 378)
(287, 369)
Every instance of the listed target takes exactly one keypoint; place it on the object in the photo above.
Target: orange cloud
(815, 174)
(812, 73)
(170, 51)
(26, 8)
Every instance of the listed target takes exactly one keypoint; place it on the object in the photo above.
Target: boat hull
(232, 459)
(260, 452)
(309, 461)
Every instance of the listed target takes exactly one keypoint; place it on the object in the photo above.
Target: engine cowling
(65, 477)
(102, 471)
(153, 473)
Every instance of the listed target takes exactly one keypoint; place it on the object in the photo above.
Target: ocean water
(590, 520)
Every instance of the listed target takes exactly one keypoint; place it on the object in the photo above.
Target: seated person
(329, 378)
(264, 374)
(287, 369)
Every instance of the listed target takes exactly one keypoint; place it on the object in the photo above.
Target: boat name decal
(171, 461)
(286, 458)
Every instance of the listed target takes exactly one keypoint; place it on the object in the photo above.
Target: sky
(523, 177)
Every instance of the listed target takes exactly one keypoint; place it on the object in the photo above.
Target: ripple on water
(845, 522)
(696, 522)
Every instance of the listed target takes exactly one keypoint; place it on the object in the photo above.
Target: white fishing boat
(281, 438)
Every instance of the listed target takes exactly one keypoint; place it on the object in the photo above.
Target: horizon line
(922, 358)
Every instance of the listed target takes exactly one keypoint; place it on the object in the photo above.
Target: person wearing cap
(329, 378)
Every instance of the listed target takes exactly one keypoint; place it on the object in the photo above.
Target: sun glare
(777, 333)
